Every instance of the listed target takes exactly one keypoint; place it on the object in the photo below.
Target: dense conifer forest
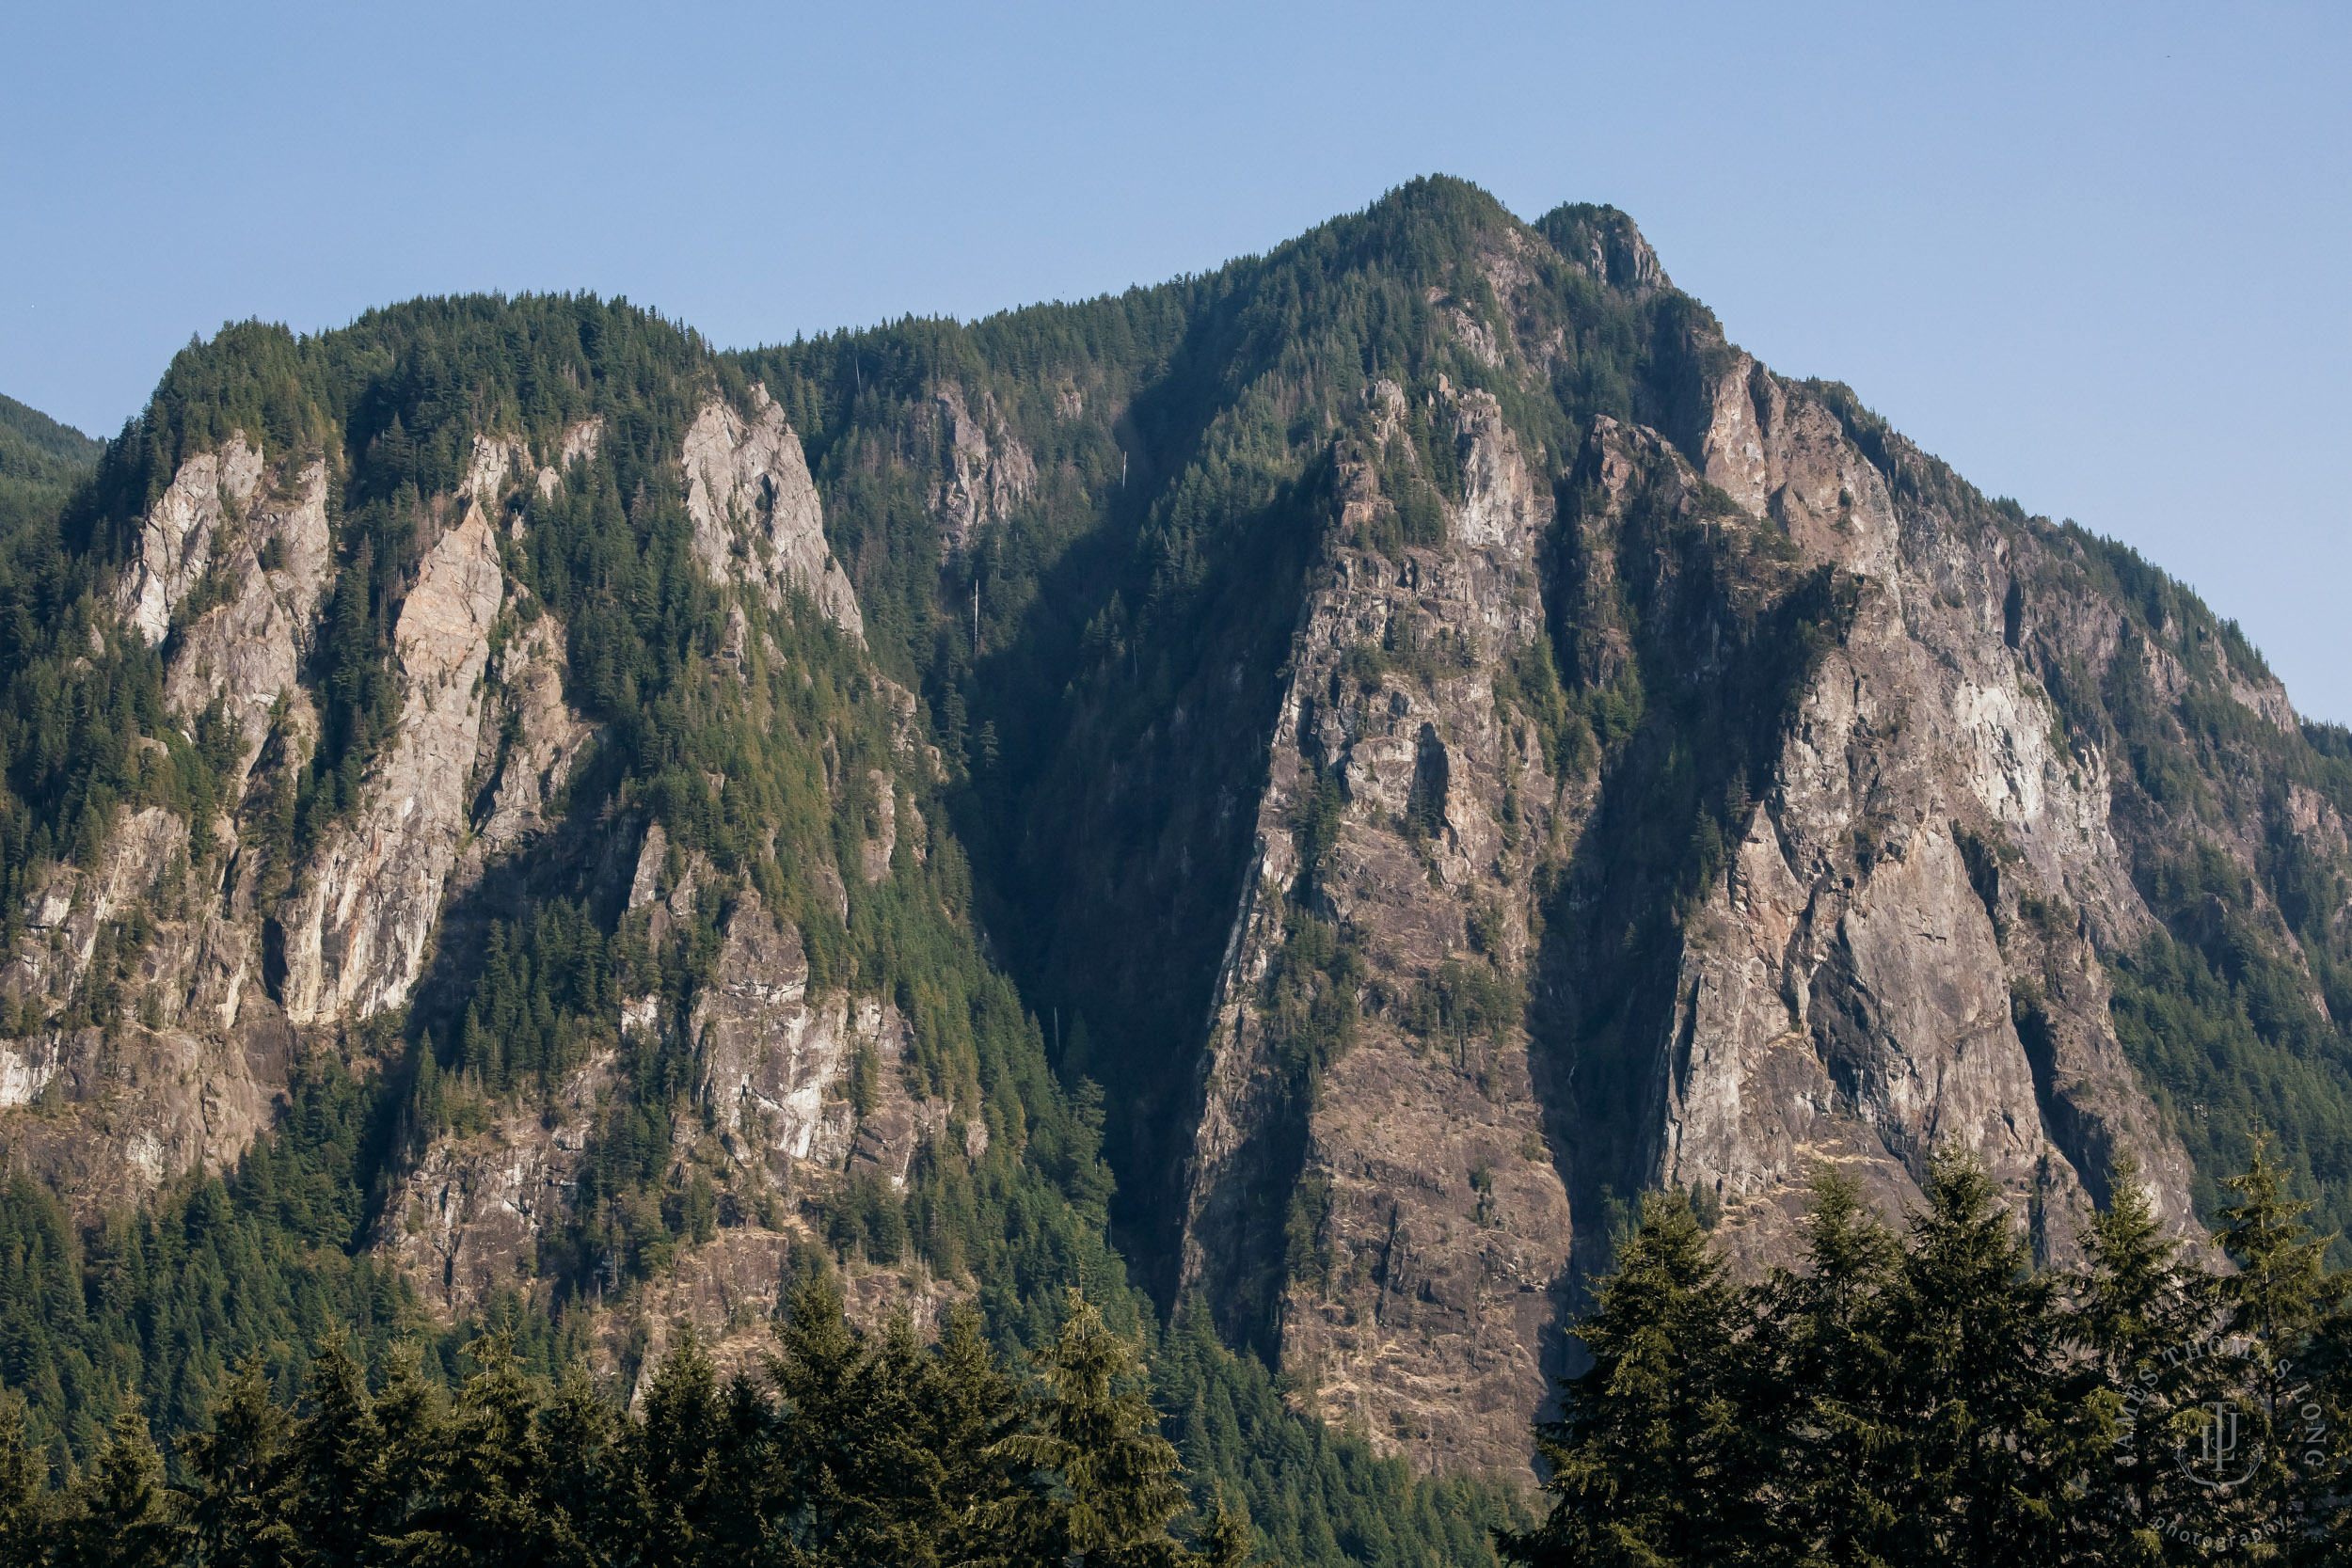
(1913, 1393)
(1916, 1392)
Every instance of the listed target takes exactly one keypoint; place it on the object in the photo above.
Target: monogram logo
(2215, 1461)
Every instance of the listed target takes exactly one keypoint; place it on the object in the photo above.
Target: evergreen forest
(1913, 1394)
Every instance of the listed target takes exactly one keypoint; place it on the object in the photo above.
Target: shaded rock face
(777, 1072)
(778, 1064)
(1604, 243)
(774, 1066)
(145, 855)
(874, 854)
(120, 1111)
(757, 520)
(468, 1217)
(354, 937)
(1395, 1228)
(988, 472)
(498, 461)
(726, 1289)
(536, 734)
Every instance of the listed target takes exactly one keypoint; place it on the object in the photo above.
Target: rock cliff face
(207, 497)
(1838, 976)
(143, 1079)
(354, 938)
(250, 651)
(778, 1066)
(988, 471)
(1392, 1212)
(211, 984)
(537, 734)
(1846, 987)
(471, 1214)
(496, 461)
(756, 517)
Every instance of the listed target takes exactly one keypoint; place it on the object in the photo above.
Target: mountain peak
(1607, 244)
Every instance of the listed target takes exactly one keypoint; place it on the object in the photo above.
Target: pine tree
(1814, 1423)
(1639, 1456)
(121, 1513)
(886, 1447)
(234, 1466)
(1106, 1481)
(746, 1485)
(2271, 1311)
(889, 1498)
(2136, 1303)
(1994, 1423)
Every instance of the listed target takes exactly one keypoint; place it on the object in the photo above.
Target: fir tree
(483, 1506)
(25, 1504)
(2258, 1365)
(2136, 1301)
(121, 1516)
(1226, 1541)
(970, 1407)
(1816, 1421)
(670, 1455)
(814, 1369)
(412, 1427)
(1639, 1459)
(330, 1499)
(1106, 1481)
(234, 1468)
(1974, 1339)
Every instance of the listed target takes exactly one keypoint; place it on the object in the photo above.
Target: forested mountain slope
(41, 460)
(1311, 787)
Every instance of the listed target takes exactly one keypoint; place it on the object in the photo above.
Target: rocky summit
(1288, 800)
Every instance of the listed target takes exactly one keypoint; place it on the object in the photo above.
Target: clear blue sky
(2095, 256)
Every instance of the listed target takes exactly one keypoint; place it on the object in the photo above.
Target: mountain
(41, 460)
(1309, 788)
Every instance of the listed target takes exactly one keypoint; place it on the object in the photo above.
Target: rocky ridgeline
(221, 998)
(1843, 988)
(1846, 990)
